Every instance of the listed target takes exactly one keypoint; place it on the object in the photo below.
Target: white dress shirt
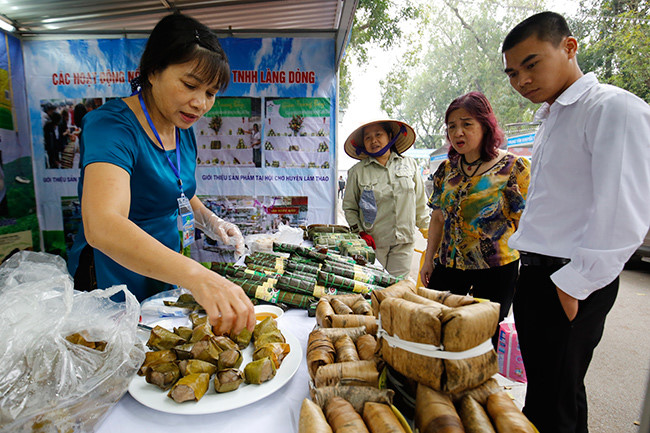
(589, 194)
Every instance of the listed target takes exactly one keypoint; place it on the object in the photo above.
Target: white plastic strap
(431, 350)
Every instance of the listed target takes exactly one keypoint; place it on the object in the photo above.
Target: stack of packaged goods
(440, 345)
(344, 366)
(304, 276)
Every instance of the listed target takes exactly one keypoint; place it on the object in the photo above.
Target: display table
(277, 413)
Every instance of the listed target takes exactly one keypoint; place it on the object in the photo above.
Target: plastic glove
(425, 233)
(218, 229)
(369, 240)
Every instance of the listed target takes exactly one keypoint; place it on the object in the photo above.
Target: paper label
(267, 292)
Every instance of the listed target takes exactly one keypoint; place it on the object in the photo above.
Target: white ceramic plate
(213, 402)
(272, 309)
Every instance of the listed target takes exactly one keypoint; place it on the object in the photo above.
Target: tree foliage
(378, 23)
(456, 50)
(614, 37)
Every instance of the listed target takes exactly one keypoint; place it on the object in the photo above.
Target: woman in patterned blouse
(478, 196)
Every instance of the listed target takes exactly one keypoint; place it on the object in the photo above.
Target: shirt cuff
(573, 283)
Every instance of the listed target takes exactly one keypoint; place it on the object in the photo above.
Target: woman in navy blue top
(138, 157)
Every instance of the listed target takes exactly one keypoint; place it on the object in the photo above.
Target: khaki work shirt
(399, 194)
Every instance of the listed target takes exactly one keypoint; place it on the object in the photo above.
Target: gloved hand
(425, 233)
(369, 240)
(218, 229)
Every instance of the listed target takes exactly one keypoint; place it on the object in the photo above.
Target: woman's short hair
(478, 106)
(178, 39)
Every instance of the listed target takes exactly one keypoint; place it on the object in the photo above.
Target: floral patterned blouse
(480, 212)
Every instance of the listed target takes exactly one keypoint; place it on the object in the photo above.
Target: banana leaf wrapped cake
(445, 347)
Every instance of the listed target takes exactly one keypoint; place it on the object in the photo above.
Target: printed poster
(265, 152)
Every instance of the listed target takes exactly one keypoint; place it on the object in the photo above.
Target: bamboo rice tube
(380, 418)
(339, 306)
(397, 290)
(480, 393)
(343, 418)
(334, 333)
(447, 298)
(473, 416)
(346, 351)
(361, 373)
(356, 395)
(312, 419)
(435, 413)
(324, 312)
(320, 351)
(361, 306)
(355, 320)
(413, 297)
(506, 416)
(366, 347)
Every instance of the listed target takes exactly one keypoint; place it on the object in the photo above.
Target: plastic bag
(48, 384)
(511, 364)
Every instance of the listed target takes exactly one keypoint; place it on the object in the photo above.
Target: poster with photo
(277, 85)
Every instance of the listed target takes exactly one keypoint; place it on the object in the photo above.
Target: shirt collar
(371, 159)
(570, 95)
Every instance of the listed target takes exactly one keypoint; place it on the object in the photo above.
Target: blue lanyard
(177, 171)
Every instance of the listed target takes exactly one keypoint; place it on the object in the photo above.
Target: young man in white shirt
(586, 212)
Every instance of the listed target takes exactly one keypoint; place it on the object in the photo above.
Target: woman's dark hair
(178, 39)
(479, 108)
(546, 26)
(78, 114)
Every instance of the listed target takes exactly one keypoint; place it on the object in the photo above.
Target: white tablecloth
(277, 413)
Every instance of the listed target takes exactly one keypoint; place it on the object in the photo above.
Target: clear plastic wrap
(48, 384)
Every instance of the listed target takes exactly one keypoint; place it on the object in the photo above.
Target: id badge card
(187, 220)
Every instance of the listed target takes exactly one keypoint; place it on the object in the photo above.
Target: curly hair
(479, 108)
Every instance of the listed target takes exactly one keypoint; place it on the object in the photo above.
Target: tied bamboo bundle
(360, 273)
(262, 269)
(380, 418)
(303, 267)
(435, 413)
(433, 324)
(357, 396)
(332, 280)
(266, 291)
(343, 418)
(361, 373)
(296, 285)
(506, 416)
(473, 416)
(312, 419)
(313, 229)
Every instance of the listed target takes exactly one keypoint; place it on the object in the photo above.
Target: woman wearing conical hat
(384, 197)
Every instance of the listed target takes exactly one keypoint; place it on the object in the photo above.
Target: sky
(365, 98)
